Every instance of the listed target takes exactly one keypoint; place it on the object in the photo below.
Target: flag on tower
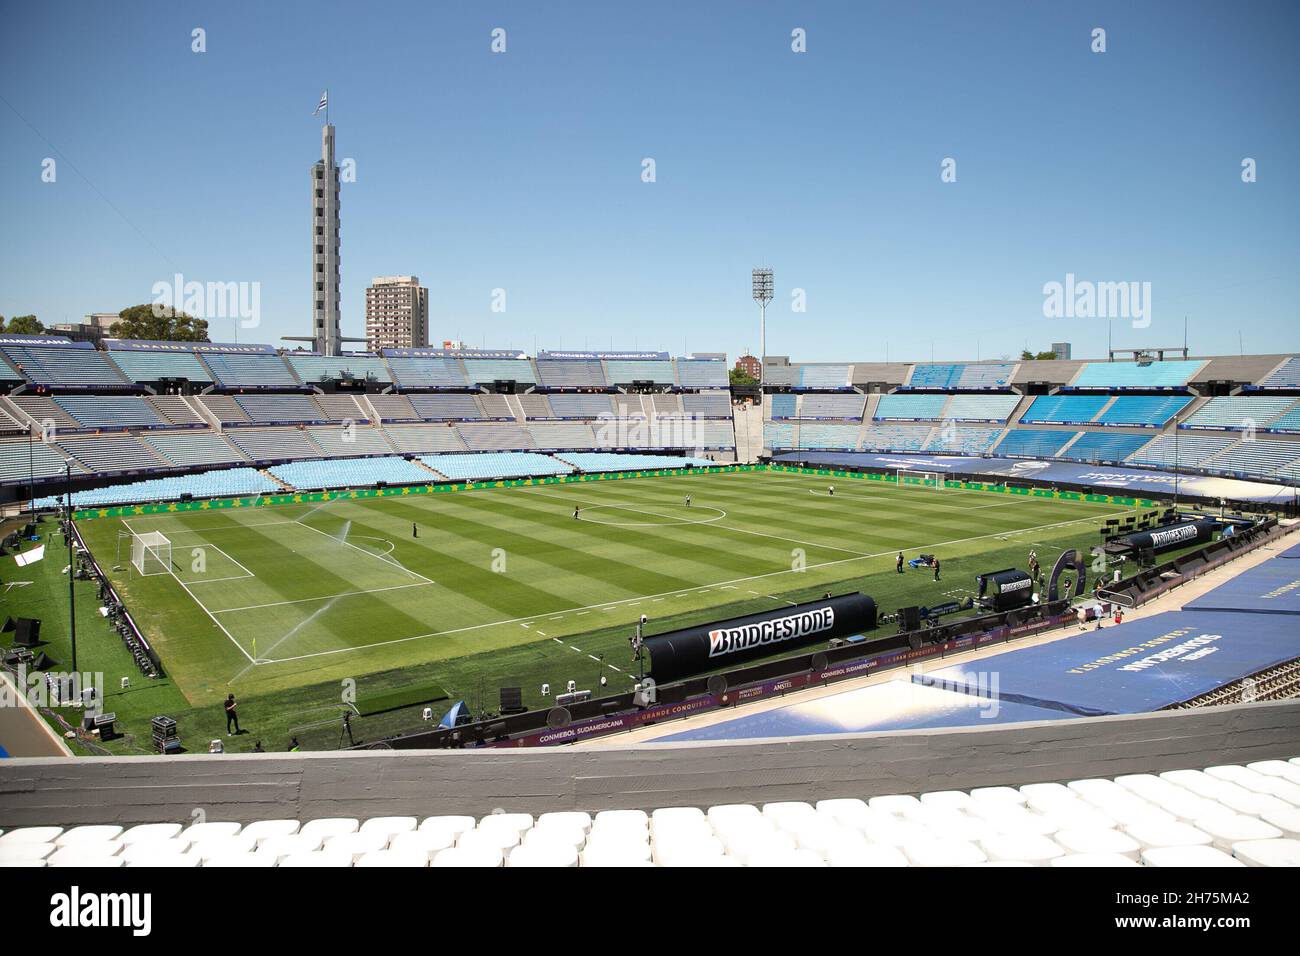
(324, 101)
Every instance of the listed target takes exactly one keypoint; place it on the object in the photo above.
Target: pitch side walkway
(901, 698)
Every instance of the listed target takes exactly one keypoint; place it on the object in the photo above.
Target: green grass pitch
(285, 605)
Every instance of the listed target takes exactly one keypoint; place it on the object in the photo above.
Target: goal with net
(151, 552)
(918, 479)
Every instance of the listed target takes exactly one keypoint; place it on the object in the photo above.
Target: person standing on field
(232, 715)
(898, 563)
(936, 567)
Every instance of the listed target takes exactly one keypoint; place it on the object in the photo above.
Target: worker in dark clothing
(415, 532)
(293, 745)
(936, 568)
(232, 715)
(898, 563)
(575, 515)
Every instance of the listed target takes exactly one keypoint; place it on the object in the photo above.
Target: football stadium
(330, 601)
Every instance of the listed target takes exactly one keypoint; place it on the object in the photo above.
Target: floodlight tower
(762, 295)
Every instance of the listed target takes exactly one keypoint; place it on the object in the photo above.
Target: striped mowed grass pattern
(277, 597)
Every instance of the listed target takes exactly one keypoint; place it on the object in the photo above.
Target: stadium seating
(1238, 411)
(174, 409)
(1032, 443)
(576, 373)
(112, 453)
(1258, 458)
(10, 423)
(344, 442)
(630, 406)
(1104, 446)
(495, 406)
(249, 370)
(1118, 375)
(623, 372)
(1064, 409)
(776, 435)
(895, 437)
(318, 369)
(446, 407)
(905, 406)
(535, 405)
(1145, 410)
(819, 435)
(434, 372)
(141, 366)
(280, 409)
(478, 467)
(273, 444)
(710, 434)
(824, 376)
(1216, 817)
(1185, 451)
(1286, 375)
(211, 484)
(110, 412)
(701, 374)
(44, 411)
(192, 449)
(832, 406)
(975, 375)
(340, 408)
(715, 404)
(943, 376)
(223, 408)
(602, 461)
(393, 408)
(1288, 422)
(487, 371)
(993, 375)
(22, 459)
(61, 362)
(662, 406)
(350, 473)
(496, 437)
(584, 405)
(416, 439)
(963, 441)
(782, 405)
(557, 435)
(982, 408)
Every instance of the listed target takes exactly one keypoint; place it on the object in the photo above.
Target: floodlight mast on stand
(762, 295)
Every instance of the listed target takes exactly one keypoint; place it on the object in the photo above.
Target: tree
(1028, 356)
(740, 377)
(168, 325)
(23, 325)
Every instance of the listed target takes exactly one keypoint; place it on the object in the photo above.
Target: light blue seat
(351, 473)
(907, 406)
(1105, 446)
(1064, 409)
(496, 465)
(1150, 411)
(982, 408)
(605, 461)
(1132, 375)
(1033, 443)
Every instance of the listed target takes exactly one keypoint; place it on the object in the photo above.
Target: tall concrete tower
(325, 335)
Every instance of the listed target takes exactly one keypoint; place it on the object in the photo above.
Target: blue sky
(522, 170)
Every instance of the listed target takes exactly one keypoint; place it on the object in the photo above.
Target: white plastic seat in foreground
(673, 816)
(383, 859)
(1097, 842)
(458, 856)
(946, 799)
(543, 854)
(516, 823)
(1154, 835)
(150, 832)
(1227, 830)
(153, 853)
(1277, 768)
(1288, 821)
(94, 854)
(135, 853)
(16, 854)
(30, 835)
(500, 840)
(231, 860)
(456, 824)
(895, 803)
(866, 854)
(1023, 848)
(1093, 859)
(94, 833)
(427, 842)
(224, 846)
(1268, 852)
(202, 831)
(942, 853)
(569, 818)
(610, 854)
(315, 860)
(357, 844)
(280, 846)
(621, 817)
(262, 829)
(329, 826)
(1187, 856)
(388, 826)
(988, 795)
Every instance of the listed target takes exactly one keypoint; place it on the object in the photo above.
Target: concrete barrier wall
(424, 783)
